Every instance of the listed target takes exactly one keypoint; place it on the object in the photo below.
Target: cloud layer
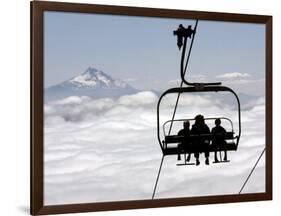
(100, 150)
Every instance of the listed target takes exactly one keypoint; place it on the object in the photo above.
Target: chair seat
(173, 150)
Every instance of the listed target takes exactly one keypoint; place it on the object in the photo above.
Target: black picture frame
(37, 192)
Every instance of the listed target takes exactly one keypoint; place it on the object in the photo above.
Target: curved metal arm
(186, 33)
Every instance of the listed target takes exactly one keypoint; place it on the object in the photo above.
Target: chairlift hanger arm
(182, 35)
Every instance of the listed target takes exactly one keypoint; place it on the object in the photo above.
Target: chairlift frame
(181, 90)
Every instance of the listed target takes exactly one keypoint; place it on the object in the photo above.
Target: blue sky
(143, 51)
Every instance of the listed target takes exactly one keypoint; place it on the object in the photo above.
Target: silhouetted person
(219, 141)
(199, 128)
(185, 132)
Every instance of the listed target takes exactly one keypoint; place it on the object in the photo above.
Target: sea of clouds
(98, 150)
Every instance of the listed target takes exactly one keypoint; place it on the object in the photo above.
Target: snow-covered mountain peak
(92, 82)
(93, 78)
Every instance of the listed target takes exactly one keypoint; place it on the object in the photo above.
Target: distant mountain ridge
(98, 84)
(92, 82)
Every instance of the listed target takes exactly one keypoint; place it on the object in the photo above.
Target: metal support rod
(159, 171)
(183, 69)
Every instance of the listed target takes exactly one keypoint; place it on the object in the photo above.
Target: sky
(143, 52)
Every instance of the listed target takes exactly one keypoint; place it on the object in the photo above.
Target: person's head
(199, 119)
(186, 124)
(217, 122)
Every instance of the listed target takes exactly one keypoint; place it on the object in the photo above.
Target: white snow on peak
(93, 77)
(103, 78)
(83, 80)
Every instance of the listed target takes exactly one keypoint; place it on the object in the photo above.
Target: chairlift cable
(190, 48)
(246, 181)
(156, 183)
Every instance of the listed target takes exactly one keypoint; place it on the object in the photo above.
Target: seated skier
(185, 132)
(219, 141)
(199, 128)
